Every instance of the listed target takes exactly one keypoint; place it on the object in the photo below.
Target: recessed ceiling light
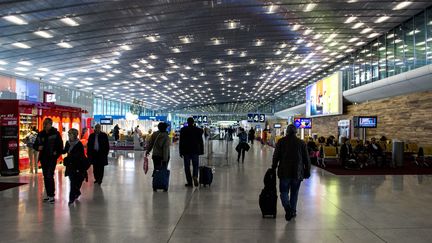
(310, 7)
(402, 5)
(373, 35)
(353, 39)
(358, 25)
(64, 45)
(15, 19)
(350, 19)
(296, 27)
(69, 21)
(83, 70)
(59, 74)
(94, 60)
(382, 19)
(25, 63)
(3, 62)
(153, 38)
(175, 49)
(40, 74)
(44, 69)
(230, 51)
(152, 56)
(21, 45)
(43, 34)
(330, 38)
(22, 69)
(367, 30)
(185, 39)
(307, 32)
(243, 54)
(360, 43)
(125, 47)
(259, 42)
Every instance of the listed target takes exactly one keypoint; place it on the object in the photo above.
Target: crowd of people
(359, 155)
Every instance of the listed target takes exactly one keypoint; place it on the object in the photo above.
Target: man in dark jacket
(97, 152)
(50, 146)
(191, 147)
(292, 160)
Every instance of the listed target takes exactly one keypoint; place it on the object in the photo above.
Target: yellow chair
(330, 152)
(427, 150)
(412, 148)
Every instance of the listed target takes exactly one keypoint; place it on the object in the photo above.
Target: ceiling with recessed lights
(172, 54)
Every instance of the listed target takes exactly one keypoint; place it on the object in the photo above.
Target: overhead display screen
(324, 98)
(305, 123)
(367, 122)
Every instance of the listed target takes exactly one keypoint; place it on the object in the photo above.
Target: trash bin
(397, 153)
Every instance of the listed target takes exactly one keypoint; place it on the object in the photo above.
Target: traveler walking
(160, 144)
(116, 133)
(251, 135)
(293, 165)
(243, 146)
(32, 153)
(191, 146)
(50, 146)
(76, 164)
(97, 151)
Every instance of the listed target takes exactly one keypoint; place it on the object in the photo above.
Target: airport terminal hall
(216, 121)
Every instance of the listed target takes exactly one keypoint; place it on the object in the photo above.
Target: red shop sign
(13, 145)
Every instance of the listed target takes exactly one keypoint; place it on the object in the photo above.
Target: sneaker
(195, 180)
(288, 216)
(46, 199)
(51, 200)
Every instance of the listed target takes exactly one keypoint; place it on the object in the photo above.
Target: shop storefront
(17, 119)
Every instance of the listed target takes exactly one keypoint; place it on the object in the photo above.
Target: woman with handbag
(159, 143)
(76, 164)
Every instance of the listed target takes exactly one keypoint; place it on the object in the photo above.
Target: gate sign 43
(256, 117)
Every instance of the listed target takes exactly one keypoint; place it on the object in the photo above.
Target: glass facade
(402, 49)
(116, 108)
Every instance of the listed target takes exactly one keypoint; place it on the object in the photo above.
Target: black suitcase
(268, 203)
(205, 175)
(268, 197)
(161, 179)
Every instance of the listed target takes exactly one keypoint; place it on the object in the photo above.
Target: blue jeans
(289, 189)
(195, 164)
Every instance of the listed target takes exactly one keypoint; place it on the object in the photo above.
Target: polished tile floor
(125, 209)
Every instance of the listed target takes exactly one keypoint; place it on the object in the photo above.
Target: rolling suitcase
(268, 197)
(161, 180)
(205, 175)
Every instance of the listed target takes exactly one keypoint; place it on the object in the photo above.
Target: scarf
(72, 144)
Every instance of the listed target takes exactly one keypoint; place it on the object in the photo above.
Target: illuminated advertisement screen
(305, 123)
(324, 98)
(367, 122)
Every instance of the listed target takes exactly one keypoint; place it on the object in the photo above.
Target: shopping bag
(145, 165)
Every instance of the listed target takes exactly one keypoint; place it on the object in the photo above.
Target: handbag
(145, 165)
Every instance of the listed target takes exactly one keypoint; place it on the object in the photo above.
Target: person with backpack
(76, 164)
(159, 142)
(243, 146)
(30, 139)
(291, 159)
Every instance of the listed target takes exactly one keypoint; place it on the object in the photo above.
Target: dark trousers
(76, 180)
(48, 168)
(289, 189)
(195, 164)
(99, 161)
(158, 164)
(242, 153)
(98, 172)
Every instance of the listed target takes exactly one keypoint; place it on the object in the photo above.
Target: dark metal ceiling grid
(246, 52)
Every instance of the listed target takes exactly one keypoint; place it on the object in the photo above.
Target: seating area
(364, 154)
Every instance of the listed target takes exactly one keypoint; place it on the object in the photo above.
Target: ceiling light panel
(69, 21)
